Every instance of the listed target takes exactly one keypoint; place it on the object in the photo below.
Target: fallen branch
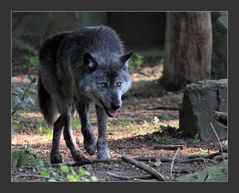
(194, 157)
(169, 147)
(165, 107)
(149, 159)
(120, 177)
(218, 139)
(144, 167)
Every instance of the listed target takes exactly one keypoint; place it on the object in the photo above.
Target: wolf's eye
(118, 84)
(103, 84)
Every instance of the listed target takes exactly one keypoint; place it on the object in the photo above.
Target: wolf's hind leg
(86, 129)
(55, 153)
(102, 148)
(68, 136)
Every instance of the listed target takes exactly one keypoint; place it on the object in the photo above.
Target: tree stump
(197, 111)
(188, 48)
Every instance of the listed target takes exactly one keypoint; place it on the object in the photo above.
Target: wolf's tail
(46, 103)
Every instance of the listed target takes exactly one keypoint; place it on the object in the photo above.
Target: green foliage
(224, 18)
(31, 61)
(27, 157)
(23, 157)
(81, 176)
(136, 61)
(152, 57)
(22, 98)
(45, 131)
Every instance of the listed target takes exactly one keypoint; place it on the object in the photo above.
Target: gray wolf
(77, 68)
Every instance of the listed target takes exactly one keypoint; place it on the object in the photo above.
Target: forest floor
(136, 132)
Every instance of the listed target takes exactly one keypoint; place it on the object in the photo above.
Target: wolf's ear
(124, 59)
(89, 62)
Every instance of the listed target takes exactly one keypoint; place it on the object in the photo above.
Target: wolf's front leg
(68, 136)
(86, 129)
(102, 148)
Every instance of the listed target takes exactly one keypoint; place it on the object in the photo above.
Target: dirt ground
(135, 132)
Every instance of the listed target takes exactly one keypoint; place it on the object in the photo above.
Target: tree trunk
(188, 48)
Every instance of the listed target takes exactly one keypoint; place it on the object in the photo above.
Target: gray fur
(77, 68)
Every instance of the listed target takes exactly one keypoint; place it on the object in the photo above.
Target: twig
(85, 162)
(207, 174)
(210, 156)
(172, 164)
(218, 139)
(170, 147)
(192, 158)
(165, 107)
(165, 159)
(120, 177)
(144, 167)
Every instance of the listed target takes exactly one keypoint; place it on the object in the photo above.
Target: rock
(200, 100)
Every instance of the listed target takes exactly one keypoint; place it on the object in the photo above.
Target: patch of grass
(194, 141)
(167, 135)
(31, 61)
(111, 127)
(76, 123)
(151, 57)
(164, 138)
(45, 131)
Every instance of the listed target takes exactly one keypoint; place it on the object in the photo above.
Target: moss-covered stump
(200, 100)
(212, 174)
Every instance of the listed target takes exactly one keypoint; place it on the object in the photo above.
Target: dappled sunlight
(148, 74)
(20, 79)
(31, 115)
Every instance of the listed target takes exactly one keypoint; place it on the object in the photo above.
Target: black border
(110, 5)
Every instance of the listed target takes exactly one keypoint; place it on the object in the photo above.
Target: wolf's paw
(78, 157)
(56, 158)
(90, 146)
(103, 154)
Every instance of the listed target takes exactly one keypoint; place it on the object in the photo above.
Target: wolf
(87, 65)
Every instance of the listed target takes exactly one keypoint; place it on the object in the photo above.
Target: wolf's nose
(115, 106)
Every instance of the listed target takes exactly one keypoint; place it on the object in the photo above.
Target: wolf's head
(105, 81)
